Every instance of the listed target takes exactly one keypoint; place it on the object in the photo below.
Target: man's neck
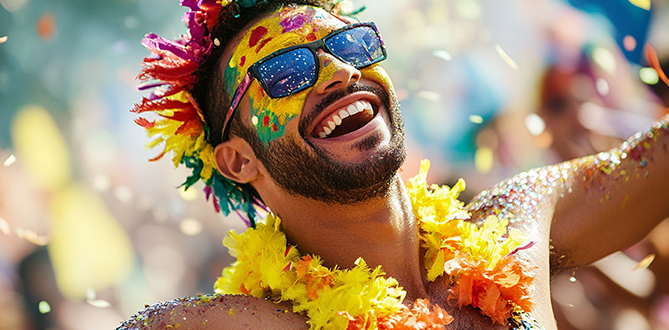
(382, 231)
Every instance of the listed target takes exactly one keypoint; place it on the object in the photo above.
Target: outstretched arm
(216, 312)
(612, 199)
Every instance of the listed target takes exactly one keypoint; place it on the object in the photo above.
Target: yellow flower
(362, 298)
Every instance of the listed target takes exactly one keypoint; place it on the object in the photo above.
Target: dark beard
(315, 175)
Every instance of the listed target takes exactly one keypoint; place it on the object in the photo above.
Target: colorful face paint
(289, 26)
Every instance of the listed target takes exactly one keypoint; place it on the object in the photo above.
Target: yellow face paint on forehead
(289, 26)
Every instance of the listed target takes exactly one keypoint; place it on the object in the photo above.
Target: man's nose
(334, 74)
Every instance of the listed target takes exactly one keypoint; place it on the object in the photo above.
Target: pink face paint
(293, 20)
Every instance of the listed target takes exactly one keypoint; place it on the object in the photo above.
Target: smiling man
(283, 106)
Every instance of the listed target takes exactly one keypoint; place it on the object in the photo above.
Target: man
(301, 117)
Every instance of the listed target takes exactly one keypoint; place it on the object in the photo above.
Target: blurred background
(90, 231)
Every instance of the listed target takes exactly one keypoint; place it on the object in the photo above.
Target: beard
(311, 172)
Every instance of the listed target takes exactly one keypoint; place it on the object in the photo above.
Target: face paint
(377, 74)
(289, 26)
(269, 125)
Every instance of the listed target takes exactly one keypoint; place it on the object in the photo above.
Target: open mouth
(345, 120)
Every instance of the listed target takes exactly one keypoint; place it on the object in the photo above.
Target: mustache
(336, 95)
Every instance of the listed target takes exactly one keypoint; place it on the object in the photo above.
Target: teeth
(352, 109)
(360, 106)
(367, 106)
(336, 119)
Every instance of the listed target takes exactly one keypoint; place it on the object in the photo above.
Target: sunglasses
(294, 69)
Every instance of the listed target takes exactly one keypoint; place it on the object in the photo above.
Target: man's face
(349, 163)
(284, 28)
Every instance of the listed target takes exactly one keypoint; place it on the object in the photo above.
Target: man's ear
(236, 160)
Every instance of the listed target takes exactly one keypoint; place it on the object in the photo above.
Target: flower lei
(479, 260)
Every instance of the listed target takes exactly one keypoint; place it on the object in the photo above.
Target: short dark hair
(209, 89)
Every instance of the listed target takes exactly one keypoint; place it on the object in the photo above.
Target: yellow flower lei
(479, 260)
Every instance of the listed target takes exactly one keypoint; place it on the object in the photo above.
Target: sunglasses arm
(239, 94)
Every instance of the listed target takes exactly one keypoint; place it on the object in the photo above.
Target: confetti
(651, 57)
(10, 160)
(645, 262)
(649, 76)
(442, 54)
(91, 296)
(4, 227)
(535, 124)
(99, 303)
(44, 307)
(32, 237)
(476, 119)
(506, 57)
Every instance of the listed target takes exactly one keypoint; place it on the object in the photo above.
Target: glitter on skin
(177, 313)
(291, 26)
(519, 198)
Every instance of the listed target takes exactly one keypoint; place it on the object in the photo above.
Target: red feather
(159, 105)
(170, 69)
(158, 157)
(211, 13)
(651, 57)
(144, 123)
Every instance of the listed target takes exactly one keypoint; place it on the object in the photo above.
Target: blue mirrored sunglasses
(294, 69)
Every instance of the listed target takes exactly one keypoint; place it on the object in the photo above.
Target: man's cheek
(270, 116)
(377, 74)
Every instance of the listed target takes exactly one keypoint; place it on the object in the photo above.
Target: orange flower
(419, 317)
(494, 291)
(316, 276)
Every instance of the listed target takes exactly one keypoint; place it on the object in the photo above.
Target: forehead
(288, 26)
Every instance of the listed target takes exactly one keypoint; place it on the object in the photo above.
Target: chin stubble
(311, 172)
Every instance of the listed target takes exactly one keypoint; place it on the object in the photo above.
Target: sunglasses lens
(359, 46)
(288, 73)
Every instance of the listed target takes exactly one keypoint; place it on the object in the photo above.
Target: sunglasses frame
(253, 72)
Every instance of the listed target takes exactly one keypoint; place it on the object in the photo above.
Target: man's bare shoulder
(216, 312)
